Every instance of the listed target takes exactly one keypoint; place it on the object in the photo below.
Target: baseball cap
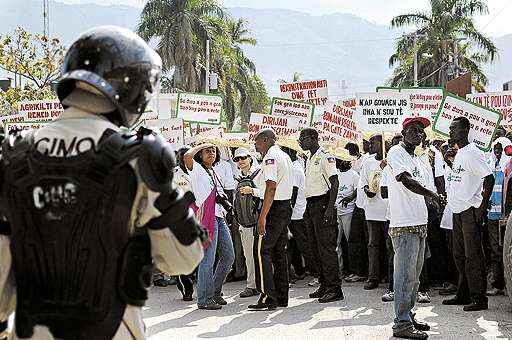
(241, 152)
(408, 121)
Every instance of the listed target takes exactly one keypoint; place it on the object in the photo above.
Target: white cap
(241, 152)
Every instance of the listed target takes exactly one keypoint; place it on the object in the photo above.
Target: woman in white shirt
(210, 199)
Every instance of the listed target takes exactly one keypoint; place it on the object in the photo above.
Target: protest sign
(199, 108)
(338, 122)
(382, 112)
(233, 139)
(164, 104)
(23, 126)
(170, 128)
(348, 102)
(425, 101)
(313, 91)
(283, 126)
(294, 109)
(498, 101)
(40, 110)
(483, 120)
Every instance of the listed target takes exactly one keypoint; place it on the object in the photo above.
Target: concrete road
(361, 315)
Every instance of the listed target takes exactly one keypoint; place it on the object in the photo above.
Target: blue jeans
(408, 262)
(209, 281)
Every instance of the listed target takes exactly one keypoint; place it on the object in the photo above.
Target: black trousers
(377, 252)
(496, 237)
(469, 256)
(358, 244)
(323, 242)
(270, 260)
(298, 230)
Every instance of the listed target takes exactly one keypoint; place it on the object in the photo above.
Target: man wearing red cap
(408, 225)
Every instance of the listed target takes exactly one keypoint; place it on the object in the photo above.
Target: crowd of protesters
(417, 214)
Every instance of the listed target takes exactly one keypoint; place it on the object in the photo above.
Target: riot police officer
(89, 208)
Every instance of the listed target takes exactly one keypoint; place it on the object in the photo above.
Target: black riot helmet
(117, 64)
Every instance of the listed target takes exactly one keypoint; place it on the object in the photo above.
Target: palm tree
(448, 27)
(297, 76)
(182, 27)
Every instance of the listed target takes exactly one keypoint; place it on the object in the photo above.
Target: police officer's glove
(179, 218)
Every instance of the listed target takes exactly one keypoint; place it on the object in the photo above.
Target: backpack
(246, 207)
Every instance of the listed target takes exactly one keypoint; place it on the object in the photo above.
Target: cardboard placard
(338, 122)
(164, 104)
(170, 128)
(312, 91)
(483, 120)
(293, 108)
(498, 101)
(40, 110)
(425, 102)
(283, 126)
(23, 126)
(199, 108)
(382, 112)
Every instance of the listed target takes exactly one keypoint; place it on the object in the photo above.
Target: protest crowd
(371, 192)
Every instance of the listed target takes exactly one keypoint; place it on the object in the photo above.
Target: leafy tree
(35, 58)
(447, 26)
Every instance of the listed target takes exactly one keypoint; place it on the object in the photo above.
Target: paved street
(361, 316)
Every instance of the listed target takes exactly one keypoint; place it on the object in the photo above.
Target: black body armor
(76, 264)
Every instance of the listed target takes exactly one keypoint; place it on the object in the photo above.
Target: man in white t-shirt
(408, 225)
(345, 202)
(375, 211)
(471, 184)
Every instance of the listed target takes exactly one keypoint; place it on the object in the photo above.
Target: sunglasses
(241, 158)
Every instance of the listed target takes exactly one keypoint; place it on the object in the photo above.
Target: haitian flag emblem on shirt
(269, 162)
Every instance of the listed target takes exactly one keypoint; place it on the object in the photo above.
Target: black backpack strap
(254, 174)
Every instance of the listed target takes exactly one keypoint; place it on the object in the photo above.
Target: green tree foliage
(36, 59)
(181, 28)
(448, 23)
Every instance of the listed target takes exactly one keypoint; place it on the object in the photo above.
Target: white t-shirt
(202, 182)
(447, 219)
(299, 180)
(438, 162)
(466, 179)
(357, 166)
(430, 182)
(375, 208)
(181, 180)
(384, 182)
(348, 182)
(224, 171)
(277, 167)
(406, 208)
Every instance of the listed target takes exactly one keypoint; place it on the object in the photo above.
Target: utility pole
(456, 57)
(207, 89)
(415, 59)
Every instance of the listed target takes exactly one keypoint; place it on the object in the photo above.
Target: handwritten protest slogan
(425, 102)
(170, 128)
(292, 108)
(349, 102)
(498, 101)
(199, 108)
(40, 110)
(483, 121)
(382, 111)
(282, 126)
(313, 91)
(338, 121)
(22, 126)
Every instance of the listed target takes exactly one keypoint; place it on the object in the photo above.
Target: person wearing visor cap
(248, 170)
(94, 207)
(407, 192)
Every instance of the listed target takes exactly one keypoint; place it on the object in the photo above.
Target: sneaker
(248, 292)
(388, 297)
(220, 300)
(410, 333)
(494, 292)
(448, 289)
(332, 296)
(212, 305)
(318, 293)
(356, 278)
(456, 301)
(349, 278)
(314, 282)
(423, 297)
(476, 306)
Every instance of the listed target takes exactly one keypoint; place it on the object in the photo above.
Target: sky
(379, 11)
